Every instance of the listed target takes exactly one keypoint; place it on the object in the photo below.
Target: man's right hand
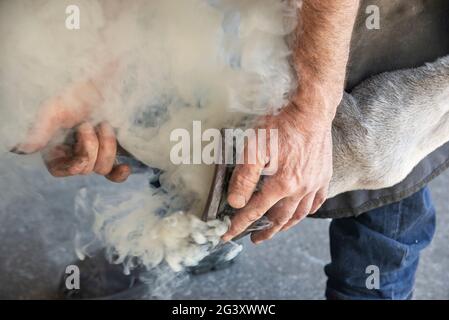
(95, 146)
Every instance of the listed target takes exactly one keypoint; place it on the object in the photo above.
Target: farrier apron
(412, 32)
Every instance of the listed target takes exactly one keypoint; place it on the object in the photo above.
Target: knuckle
(104, 164)
(252, 217)
(91, 140)
(107, 142)
(304, 190)
(321, 199)
(292, 186)
(105, 128)
(287, 185)
(299, 215)
(279, 221)
(243, 182)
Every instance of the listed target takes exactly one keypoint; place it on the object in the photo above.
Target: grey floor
(37, 228)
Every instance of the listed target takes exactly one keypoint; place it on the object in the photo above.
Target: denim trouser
(389, 238)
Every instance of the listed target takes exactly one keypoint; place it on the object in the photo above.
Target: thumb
(55, 114)
(49, 121)
(243, 183)
(67, 110)
(246, 176)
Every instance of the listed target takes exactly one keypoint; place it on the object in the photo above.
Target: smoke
(158, 66)
(142, 226)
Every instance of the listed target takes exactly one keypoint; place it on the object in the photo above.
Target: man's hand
(304, 127)
(301, 183)
(95, 147)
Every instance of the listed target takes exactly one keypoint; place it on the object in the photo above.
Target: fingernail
(226, 238)
(125, 172)
(236, 200)
(16, 150)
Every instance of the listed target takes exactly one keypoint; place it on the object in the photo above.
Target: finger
(258, 205)
(46, 125)
(61, 163)
(279, 215)
(320, 198)
(53, 116)
(87, 146)
(119, 174)
(303, 209)
(243, 182)
(67, 110)
(107, 149)
(246, 176)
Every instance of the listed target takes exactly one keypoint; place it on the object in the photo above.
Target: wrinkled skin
(304, 162)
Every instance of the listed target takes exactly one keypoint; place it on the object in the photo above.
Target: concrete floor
(37, 228)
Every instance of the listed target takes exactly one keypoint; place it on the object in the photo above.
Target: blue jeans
(389, 239)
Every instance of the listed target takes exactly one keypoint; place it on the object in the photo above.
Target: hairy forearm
(322, 50)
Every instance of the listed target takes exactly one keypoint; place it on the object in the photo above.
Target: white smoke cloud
(164, 65)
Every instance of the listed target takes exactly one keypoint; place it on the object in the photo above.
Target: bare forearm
(322, 49)
(304, 156)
